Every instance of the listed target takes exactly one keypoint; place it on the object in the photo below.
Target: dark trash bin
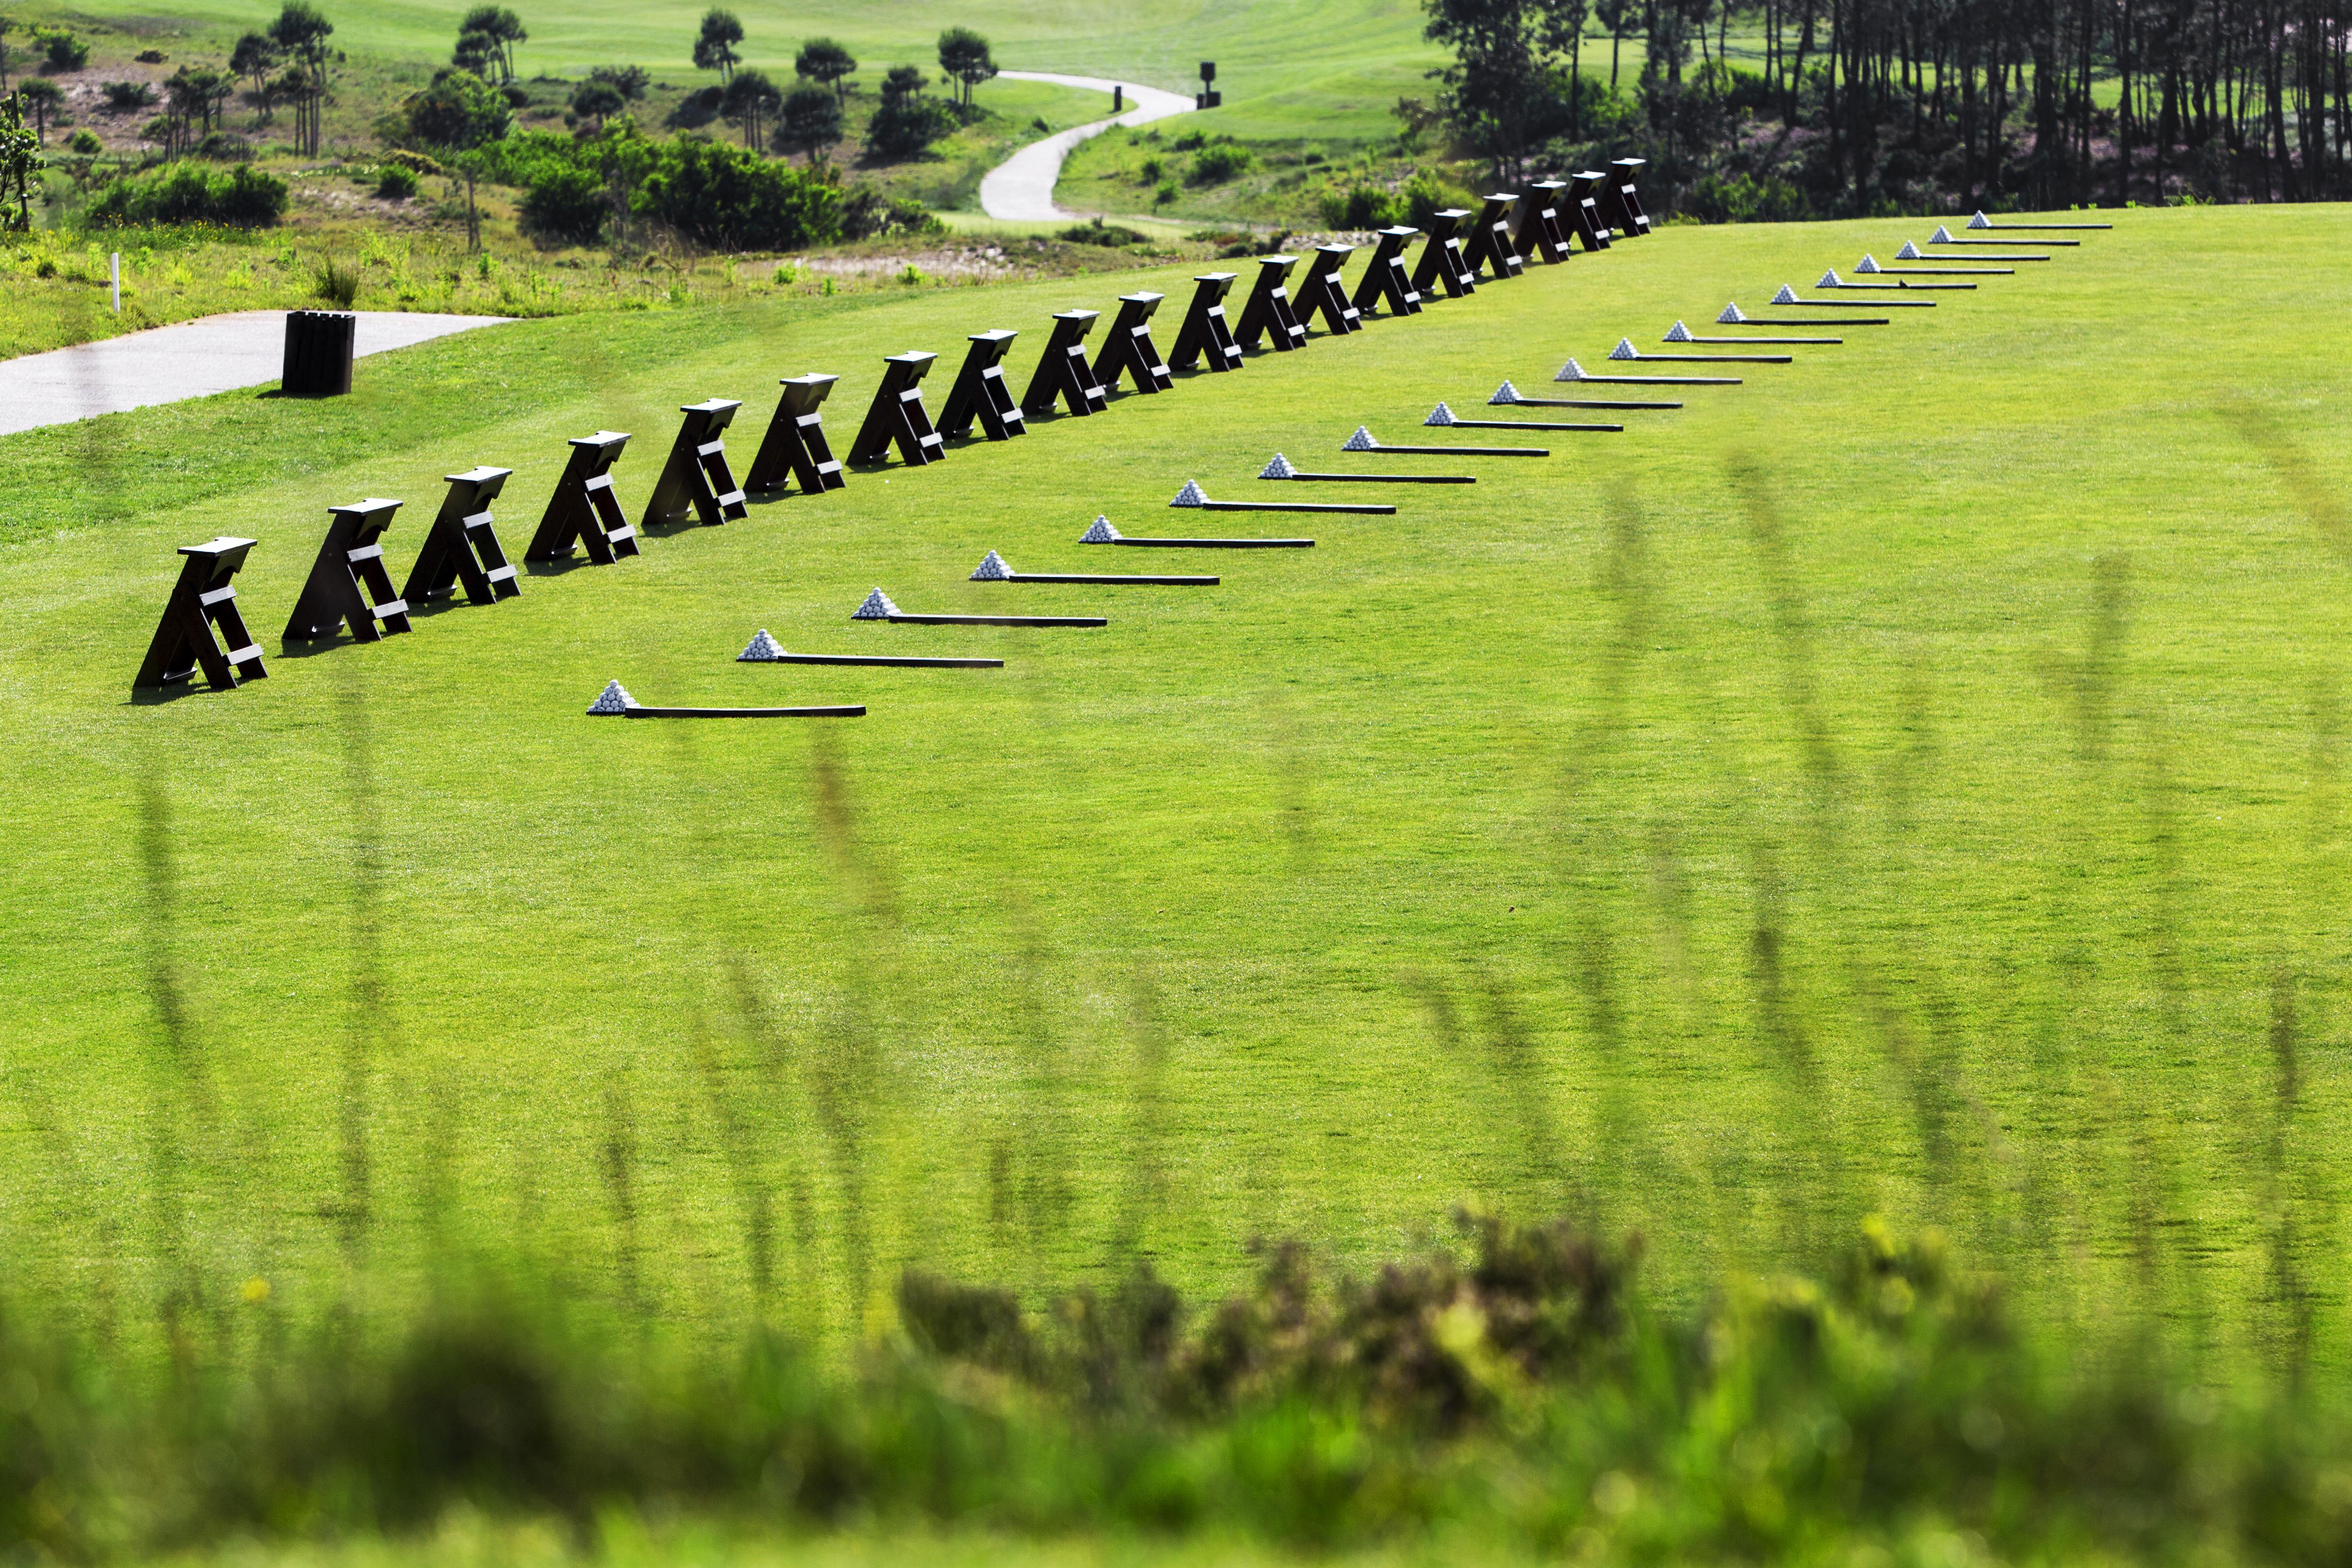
(318, 353)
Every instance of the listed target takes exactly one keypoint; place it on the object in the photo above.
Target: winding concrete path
(189, 359)
(1023, 185)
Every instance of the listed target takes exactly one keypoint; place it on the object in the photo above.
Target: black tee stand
(200, 600)
(696, 478)
(896, 414)
(1128, 348)
(795, 445)
(1320, 290)
(1490, 245)
(1621, 204)
(348, 583)
(1205, 333)
(979, 393)
(1385, 281)
(1539, 235)
(1063, 371)
(1584, 209)
(463, 546)
(1268, 312)
(583, 508)
(1441, 259)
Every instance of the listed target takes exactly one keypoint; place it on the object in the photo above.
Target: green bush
(84, 143)
(338, 283)
(866, 214)
(566, 204)
(61, 51)
(907, 123)
(1215, 166)
(394, 184)
(122, 96)
(242, 197)
(458, 110)
(732, 199)
(1101, 232)
(1358, 206)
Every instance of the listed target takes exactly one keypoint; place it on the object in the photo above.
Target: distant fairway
(1967, 842)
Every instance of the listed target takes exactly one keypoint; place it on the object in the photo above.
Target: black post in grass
(1441, 258)
(796, 446)
(1320, 290)
(1281, 468)
(1128, 348)
(1063, 371)
(1621, 203)
(1102, 532)
(615, 702)
(878, 607)
(1584, 209)
(462, 547)
(994, 568)
(979, 393)
(1364, 441)
(1386, 280)
(202, 601)
(1206, 335)
(348, 583)
(1538, 236)
(1488, 247)
(896, 414)
(696, 481)
(1192, 496)
(1444, 418)
(1509, 396)
(583, 509)
(765, 650)
(1268, 312)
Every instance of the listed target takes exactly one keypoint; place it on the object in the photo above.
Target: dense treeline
(1801, 108)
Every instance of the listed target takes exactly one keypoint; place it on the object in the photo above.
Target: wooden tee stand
(1584, 209)
(1128, 348)
(348, 583)
(1386, 279)
(1268, 311)
(1490, 244)
(1441, 259)
(1621, 204)
(896, 414)
(1063, 372)
(1206, 335)
(583, 507)
(1538, 235)
(696, 478)
(979, 394)
(795, 445)
(200, 600)
(463, 546)
(1320, 290)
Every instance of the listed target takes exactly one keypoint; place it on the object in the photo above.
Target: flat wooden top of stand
(602, 438)
(712, 406)
(225, 544)
(480, 476)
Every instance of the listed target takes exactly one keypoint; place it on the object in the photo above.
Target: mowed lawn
(1909, 780)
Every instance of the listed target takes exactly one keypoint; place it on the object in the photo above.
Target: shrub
(338, 283)
(1152, 171)
(696, 109)
(1217, 164)
(629, 81)
(1358, 206)
(906, 124)
(866, 214)
(1165, 195)
(566, 204)
(122, 96)
(1101, 232)
(458, 110)
(394, 184)
(150, 56)
(1743, 198)
(732, 199)
(1425, 194)
(86, 143)
(242, 197)
(61, 51)
(414, 162)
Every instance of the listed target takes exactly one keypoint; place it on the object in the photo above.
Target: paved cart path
(1023, 185)
(191, 359)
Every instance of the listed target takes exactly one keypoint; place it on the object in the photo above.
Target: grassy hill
(1909, 780)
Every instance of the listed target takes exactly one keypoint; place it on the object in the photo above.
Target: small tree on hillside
(809, 123)
(714, 50)
(964, 55)
(255, 56)
(629, 81)
(42, 96)
(825, 62)
(504, 30)
(750, 101)
(20, 162)
(477, 52)
(597, 101)
(302, 31)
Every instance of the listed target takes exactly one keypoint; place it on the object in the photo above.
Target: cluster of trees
(808, 119)
(1859, 106)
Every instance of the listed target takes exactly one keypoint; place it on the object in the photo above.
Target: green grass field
(1910, 780)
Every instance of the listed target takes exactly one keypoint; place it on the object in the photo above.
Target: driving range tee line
(1911, 252)
(1831, 280)
(1627, 351)
(1280, 468)
(994, 568)
(1573, 371)
(765, 650)
(1981, 221)
(1944, 237)
(1102, 532)
(1868, 266)
(1443, 418)
(1192, 495)
(878, 607)
(1787, 295)
(1678, 333)
(1733, 316)
(1363, 441)
(1507, 397)
(615, 702)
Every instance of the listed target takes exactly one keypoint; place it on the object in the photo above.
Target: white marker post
(114, 272)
